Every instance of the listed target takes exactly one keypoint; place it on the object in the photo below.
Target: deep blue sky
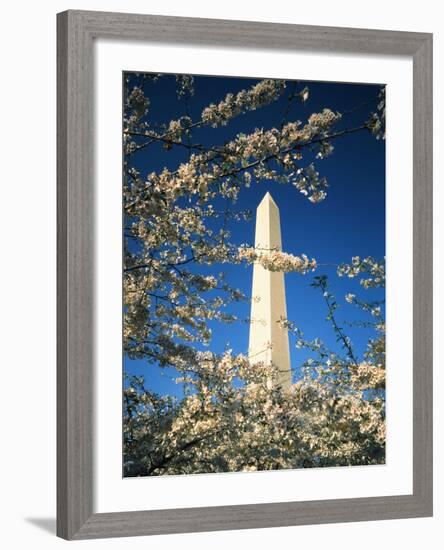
(349, 222)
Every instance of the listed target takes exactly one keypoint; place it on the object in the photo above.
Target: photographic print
(253, 274)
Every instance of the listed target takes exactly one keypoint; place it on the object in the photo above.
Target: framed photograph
(244, 275)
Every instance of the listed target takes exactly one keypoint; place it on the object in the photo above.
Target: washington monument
(268, 338)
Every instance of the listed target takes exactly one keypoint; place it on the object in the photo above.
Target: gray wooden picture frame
(77, 31)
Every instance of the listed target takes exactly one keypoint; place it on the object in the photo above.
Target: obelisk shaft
(268, 338)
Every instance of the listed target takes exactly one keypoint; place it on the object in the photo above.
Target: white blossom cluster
(307, 181)
(368, 265)
(376, 123)
(324, 120)
(275, 260)
(138, 104)
(250, 426)
(257, 96)
(185, 84)
(367, 376)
